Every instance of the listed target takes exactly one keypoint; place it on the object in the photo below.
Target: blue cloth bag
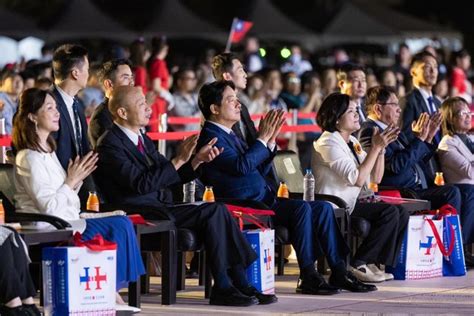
(454, 264)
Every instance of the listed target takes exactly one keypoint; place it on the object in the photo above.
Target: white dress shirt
(69, 101)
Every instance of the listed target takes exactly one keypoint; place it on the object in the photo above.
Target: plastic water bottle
(308, 186)
(189, 189)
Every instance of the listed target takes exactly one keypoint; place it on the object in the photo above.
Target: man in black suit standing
(406, 159)
(71, 71)
(113, 73)
(133, 174)
(352, 81)
(424, 72)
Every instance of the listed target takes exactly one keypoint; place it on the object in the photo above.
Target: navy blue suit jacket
(236, 174)
(412, 106)
(125, 176)
(64, 137)
(401, 156)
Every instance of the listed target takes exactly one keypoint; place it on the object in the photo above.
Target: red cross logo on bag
(428, 245)
(98, 278)
(267, 259)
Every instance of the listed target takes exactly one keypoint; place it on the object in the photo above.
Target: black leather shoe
(350, 283)
(15, 311)
(315, 285)
(231, 297)
(31, 309)
(263, 299)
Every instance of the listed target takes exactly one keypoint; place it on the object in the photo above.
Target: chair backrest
(288, 169)
(7, 187)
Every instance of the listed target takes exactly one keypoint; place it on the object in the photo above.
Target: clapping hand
(270, 125)
(208, 152)
(383, 139)
(420, 127)
(80, 168)
(185, 151)
(433, 126)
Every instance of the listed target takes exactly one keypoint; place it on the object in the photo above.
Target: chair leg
(322, 265)
(181, 272)
(208, 280)
(202, 267)
(281, 259)
(145, 279)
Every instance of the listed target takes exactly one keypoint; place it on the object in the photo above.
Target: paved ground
(447, 296)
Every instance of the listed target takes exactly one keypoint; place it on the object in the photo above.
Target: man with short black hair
(71, 71)
(113, 73)
(352, 81)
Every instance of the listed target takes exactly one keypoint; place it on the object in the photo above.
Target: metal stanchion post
(162, 128)
(3, 149)
(294, 121)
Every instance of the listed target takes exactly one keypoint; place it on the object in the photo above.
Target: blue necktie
(77, 126)
(241, 146)
(432, 108)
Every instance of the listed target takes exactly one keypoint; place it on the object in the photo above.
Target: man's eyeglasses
(391, 103)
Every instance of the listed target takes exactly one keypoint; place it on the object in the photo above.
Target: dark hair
(24, 134)
(458, 55)
(331, 110)
(346, 68)
(65, 58)
(109, 68)
(212, 93)
(378, 94)
(221, 64)
(420, 57)
(137, 53)
(8, 73)
(447, 113)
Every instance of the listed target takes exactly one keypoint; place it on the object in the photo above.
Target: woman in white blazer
(341, 167)
(456, 157)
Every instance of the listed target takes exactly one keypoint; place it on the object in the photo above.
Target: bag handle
(249, 217)
(98, 243)
(444, 251)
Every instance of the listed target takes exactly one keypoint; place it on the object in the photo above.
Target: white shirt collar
(381, 124)
(424, 94)
(130, 134)
(225, 128)
(68, 100)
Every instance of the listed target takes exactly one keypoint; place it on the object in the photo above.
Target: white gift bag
(420, 256)
(260, 273)
(79, 281)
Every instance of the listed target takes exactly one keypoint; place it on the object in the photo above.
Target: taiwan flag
(239, 29)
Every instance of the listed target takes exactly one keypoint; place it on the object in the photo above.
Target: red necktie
(140, 146)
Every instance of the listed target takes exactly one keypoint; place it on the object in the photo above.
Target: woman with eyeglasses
(456, 156)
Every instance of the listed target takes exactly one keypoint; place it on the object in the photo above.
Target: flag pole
(231, 34)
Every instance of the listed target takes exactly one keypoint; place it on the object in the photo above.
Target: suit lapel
(64, 114)
(421, 101)
(128, 144)
(344, 146)
(222, 134)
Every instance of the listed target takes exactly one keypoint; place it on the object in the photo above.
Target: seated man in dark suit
(132, 173)
(239, 172)
(405, 159)
(114, 73)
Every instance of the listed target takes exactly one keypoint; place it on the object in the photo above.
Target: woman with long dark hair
(42, 185)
